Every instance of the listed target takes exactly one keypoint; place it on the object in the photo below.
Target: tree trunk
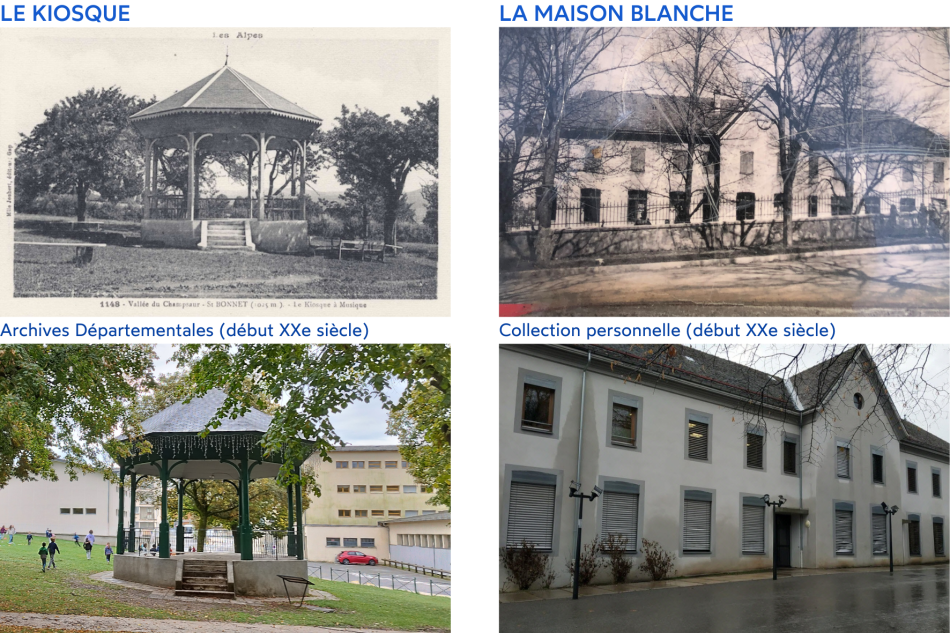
(389, 220)
(202, 530)
(547, 207)
(81, 190)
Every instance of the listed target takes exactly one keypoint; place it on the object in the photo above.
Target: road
(913, 599)
(859, 284)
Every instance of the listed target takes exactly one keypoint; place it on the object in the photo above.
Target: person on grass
(11, 532)
(53, 551)
(108, 552)
(76, 538)
(29, 538)
(43, 553)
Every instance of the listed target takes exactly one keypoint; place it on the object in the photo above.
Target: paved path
(849, 284)
(914, 599)
(141, 625)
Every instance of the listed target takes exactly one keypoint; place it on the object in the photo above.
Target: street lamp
(774, 504)
(890, 511)
(576, 492)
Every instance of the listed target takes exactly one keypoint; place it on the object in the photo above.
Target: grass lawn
(69, 590)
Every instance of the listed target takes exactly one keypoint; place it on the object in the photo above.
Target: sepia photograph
(286, 163)
(724, 171)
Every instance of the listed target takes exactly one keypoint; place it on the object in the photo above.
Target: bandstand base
(270, 236)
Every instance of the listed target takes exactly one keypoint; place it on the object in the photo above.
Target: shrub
(656, 561)
(615, 547)
(590, 562)
(524, 565)
(548, 576)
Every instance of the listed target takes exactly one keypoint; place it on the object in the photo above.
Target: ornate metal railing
(221, 208)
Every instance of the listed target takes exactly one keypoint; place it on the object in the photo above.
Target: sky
(360, 423)
(319, 70)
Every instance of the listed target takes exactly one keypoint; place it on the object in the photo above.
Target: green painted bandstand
(180, 455)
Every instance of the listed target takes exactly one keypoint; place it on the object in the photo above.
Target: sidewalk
(696, 581)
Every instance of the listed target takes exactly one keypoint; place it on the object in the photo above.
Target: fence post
(379, 582)
(360, 576)
(347, 576)
(430, 586)
(414, 587)
(394, 582)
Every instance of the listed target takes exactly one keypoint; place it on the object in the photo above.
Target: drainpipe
(801, 502)
(580, 445)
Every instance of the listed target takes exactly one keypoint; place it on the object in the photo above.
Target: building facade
(685, 445)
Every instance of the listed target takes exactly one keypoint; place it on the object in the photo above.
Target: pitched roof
(192, 417)
(872, 130)
(815, 383)
(920, 438)
(350, 448)
(437, 516)
(225, 91)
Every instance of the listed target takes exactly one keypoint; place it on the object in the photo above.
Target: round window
(858, 400)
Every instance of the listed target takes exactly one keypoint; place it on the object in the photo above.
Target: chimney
(717, 100)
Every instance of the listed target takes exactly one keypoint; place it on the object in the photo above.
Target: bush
(524, 565)
(656, 561)
(590, 562)
(615, 547)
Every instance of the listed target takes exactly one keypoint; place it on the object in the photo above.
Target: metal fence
(424, 586)
(645, 208)
(265, 544)
(222, 208)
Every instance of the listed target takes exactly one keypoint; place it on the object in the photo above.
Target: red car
(357, 558)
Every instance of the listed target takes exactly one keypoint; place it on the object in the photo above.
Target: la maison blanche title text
(617, 13)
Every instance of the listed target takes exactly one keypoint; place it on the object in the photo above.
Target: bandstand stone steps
(204, 579)
(226, 235)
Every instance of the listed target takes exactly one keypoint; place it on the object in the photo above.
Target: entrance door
(783, 523)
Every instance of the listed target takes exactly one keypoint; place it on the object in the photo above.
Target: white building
(63, 506)
(685, 445)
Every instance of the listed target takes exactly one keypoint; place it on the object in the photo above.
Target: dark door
(783, 523)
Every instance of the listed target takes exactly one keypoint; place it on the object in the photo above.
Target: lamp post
(890, 511)
(774, 504)
(576, 492)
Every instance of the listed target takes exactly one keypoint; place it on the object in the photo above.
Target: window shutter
(698, 440)
(879, 533)
(938, 539)
(790, 466)
(843, 531)
(531, 515)
(753, 444)
(878, 468)
(620, 512)
(753, 529)
(638, 159)
(746, 162)
(935, 478)
(843, 455)
(913, 533)
(696, 525)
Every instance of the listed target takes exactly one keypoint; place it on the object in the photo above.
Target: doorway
(783, 539)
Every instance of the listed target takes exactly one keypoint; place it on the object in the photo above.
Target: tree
(377, 153)
(66, 401)
(924, 53)
(423, 426)
(430, 195)
(84, 144)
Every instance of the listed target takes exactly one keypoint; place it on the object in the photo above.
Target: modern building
(363, 488)
(67, 507)
(685, 446)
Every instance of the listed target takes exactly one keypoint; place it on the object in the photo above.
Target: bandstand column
(303, 180)
(247, 553)
(191, 176)
(297, 486)
(133, 482)
(120, 537)
(291, 537)
(262, 147)
(180, 528)
(163, 540)
(146, 197)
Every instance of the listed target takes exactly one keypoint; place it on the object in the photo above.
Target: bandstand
(226, 112)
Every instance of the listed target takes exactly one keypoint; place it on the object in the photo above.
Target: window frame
(712, 521)
(359, 492)
(390, 491)
(791, 438)
(845, 444)
(911, 519)
(559, 493)
(877, 510)
(378, 466)
(877, 451)
(394, 462)
(343, 514)
(361, 464)
(539, 379)
(844, 505)
(937, 494)
(752, 499)
(342, 489)
(370, 545)
(760, 431)
(619, 482)
(376, 492)
(337, 540)
(361, 516)
(342, 464)
(377, 513)
(704, 418)
(642, 152)
(409, 492)
(746, 156)
(349, 538)
(934, 522)
(626, 400)
(908, 466)
(746, 201)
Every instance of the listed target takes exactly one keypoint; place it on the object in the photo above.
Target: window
(392, 464)
(333, 541)
(755, 449)
(359, 488)
(537, 408)
(777, 207)
(343, 513)
(858, 401)
(710, 208)
(77, 510)
(908, 205)
(395, 513)
(913, 534)
(746, 163)
(90, 510)
(405, 464)
(911, 477)
(638, 159)
(878, 530)
(812, 170)
(939, 549)
(594, 162)
(678, 204)
(360, 513)
(367, 543)
(375, 464)
(378, 513)
(877, 467)
(590, 204)
(64, 510)
(375, 488)
(343, 464)
(623, 422)
(409, 490)
(358, 464)
(427, 489)
(637, 206)
(844, 528)
(620, 512)
(745, 206)
(412, 513)
(935, 481)
(840, 205)
(342, 488)
(872, 205)
(938, 174)
(531, 507)
(813, 206)
(753, 525)
(349, 542)
(709, 167)
(392, 488)
(790, 455)
(907, 172)
(678, 161)
(697, 522)
(697, 430)
(843, 460)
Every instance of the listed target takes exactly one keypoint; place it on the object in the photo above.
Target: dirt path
(138, 625)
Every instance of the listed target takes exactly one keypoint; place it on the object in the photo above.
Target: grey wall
(259, 577)
(158, 572)
(424, 556)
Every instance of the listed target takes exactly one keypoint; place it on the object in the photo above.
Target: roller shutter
(753, 529)
(844, 520)
(620, 512)
(753, 447)
(938, 539)
(531, 515)
(697, 526)
(879, 533)
(842, 465)
(698, 440)
(913, 534)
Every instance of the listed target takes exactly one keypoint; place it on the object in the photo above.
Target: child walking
(43, 554)
(53, 551)
(108, 552)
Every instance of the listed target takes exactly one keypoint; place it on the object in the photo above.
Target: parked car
(357, 558)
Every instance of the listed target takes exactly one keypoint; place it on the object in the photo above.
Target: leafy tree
(430, 195)
(67, 401)
(84, 144)
(423, 426)
(376, 153)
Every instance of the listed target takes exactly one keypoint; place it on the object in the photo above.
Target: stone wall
(147, 570)
(280, 236)
(259, 577)
(173, 233)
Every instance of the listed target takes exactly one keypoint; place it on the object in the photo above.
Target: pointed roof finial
(226, 55)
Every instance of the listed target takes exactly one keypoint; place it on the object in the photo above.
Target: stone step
(237, 228)
(204, 586)
(229, 241)
(192, 593)
(206, 573)
(229, 247)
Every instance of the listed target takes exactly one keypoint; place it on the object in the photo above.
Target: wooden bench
(83, 251)
(364, 248)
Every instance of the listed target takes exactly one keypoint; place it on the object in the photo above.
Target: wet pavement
(913, 599)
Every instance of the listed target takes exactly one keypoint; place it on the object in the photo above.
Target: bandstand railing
(220, 208)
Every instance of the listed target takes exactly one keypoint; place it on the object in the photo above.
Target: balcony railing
(221, 208)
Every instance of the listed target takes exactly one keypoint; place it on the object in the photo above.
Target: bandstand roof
(192, 417)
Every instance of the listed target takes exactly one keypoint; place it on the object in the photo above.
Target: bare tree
(924, 53)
